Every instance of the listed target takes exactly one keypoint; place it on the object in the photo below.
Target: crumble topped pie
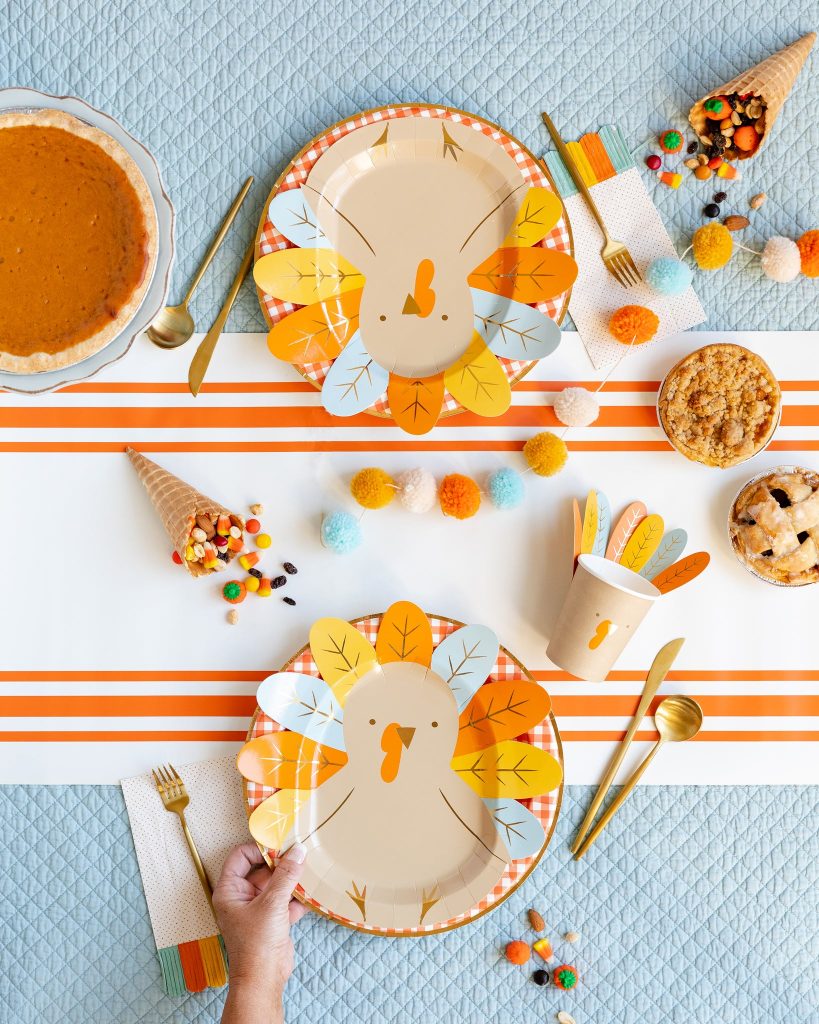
(78, 240)
(775, 526)
(720, 405)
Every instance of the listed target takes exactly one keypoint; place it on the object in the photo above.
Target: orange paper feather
(681, 572)
(624, 529)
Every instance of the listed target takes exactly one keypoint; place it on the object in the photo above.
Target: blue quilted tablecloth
(702, 904)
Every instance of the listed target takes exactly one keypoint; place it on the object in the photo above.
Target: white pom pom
(781, 259)
(417, 490)
(576, 407)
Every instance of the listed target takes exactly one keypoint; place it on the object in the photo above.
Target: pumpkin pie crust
(78, 240)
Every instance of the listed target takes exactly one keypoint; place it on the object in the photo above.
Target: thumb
(286, 876)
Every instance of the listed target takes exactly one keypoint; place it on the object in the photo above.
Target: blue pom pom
(668, 275)
(506, 488)
(340, 532)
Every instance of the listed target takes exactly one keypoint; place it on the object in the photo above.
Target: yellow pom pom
(809, 252)
(713, 245)
(372, 488)
(633, 325)
(459, 496)
(546, 453)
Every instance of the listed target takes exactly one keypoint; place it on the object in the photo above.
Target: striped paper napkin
(190, 949)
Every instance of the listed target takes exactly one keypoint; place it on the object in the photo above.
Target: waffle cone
(178, 505)
(772, 80)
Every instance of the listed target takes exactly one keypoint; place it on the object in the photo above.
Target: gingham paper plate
(544, 808)
(533, 173)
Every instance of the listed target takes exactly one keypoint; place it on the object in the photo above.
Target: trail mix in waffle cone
(204, 534)
(734, 120)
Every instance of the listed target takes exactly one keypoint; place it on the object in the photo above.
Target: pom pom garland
(546, 453)
(576, 407)
(340, 532)
(809, 253)
(459, 496)
(506, 488)
(781, 259)
(372, 488)
(633, 325)
(417, 490)
(712, 245)
(668, 276)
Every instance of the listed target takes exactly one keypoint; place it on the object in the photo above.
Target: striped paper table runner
(114, 659)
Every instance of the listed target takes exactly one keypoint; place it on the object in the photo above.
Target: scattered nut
(727, 133)
(756, 201)
(692, 163)
(257, 509)
(536, 921)
(760, 126)
(204, 523)
(565, 1018)
(198, 535)
(736, 119)
(702, 159)
(735, 222)
(233, 616)
(571, 936)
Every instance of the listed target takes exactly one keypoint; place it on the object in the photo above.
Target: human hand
(254, 909)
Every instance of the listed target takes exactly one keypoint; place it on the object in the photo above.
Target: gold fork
(175, 799)
(614, 254)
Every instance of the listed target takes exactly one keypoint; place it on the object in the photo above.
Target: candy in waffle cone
(771, 80)
(178, 505)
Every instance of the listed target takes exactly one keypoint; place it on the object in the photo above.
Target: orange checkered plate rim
(268, 239)
(545, 808)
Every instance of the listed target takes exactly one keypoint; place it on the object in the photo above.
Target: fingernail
(297, 853)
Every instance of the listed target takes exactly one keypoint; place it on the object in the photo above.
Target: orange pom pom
(809, 252)
(459, 496)
(633, 325)
(518, 952)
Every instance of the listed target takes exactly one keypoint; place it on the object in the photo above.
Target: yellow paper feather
(538, 214)
(643, 542)
(589, 534)
(510, 769)
(273, 819)
(478, 382)
(303, 276)
(342, 654)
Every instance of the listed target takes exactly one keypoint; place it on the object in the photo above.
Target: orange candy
(234, 592)
(703, 172)
(518, 952)
(253, 526)
(716, 108)
(746, 138)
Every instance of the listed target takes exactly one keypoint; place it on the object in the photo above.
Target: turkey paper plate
(417, 761)
(412, 262)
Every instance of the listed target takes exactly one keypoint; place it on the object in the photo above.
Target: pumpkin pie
(720, 405)
(78, 240)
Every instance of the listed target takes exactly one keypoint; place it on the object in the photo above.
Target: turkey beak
(405, 734)
(411, 307)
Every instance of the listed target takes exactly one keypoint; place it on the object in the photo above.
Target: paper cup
(605, 604)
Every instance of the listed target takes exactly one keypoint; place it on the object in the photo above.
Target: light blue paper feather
(303, 704)
(520, 830)
(464, 660)
(601, 538)
(671, 548)
(513, 330)
(354, 382)
(293, 217)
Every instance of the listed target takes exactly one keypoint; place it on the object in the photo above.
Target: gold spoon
(174, 325)
(677, 719)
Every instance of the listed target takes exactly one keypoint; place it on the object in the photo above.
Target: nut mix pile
(735, 123)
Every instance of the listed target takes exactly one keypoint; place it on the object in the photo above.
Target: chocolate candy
(711, 210)
(654, 162)
(541, 977)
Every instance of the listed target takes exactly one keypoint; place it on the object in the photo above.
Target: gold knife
(658, 671)
(202, 356)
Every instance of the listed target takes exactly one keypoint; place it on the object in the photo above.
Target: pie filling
(73, 240)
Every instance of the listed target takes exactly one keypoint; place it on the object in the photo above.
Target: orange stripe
(238, 736)
(303, 387)
(745, 736)
(260, 417)
(192, 967)
(598, 157)
(256, 675)
(154, 706)
(238, 706)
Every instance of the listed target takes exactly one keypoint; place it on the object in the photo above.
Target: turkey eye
(382, 317)
(444, 317)
(434, 725)
(372, 721)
